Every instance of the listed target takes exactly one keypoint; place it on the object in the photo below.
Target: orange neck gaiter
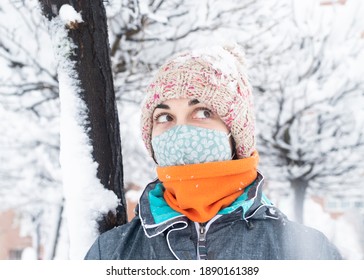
(199, 191)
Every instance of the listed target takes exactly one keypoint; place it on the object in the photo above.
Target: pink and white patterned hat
(215, 76)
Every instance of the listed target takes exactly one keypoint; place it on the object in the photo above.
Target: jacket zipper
(202, 252)
(202, 229)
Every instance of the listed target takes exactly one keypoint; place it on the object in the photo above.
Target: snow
(30, 179)
(69, 15)
(86, 198)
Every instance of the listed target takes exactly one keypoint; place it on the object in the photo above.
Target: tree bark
(92, 57)
(299, 187)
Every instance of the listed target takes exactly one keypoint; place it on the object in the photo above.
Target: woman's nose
(181, 120)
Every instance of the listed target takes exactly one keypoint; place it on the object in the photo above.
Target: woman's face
(185, 112)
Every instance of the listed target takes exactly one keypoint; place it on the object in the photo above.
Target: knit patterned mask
(186, 144)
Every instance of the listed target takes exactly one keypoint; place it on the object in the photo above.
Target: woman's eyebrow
(162, 106)
(193, 102)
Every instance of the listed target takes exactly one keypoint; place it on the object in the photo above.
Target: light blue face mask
(186, 144)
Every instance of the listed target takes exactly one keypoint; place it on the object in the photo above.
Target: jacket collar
(156, 216)
(150, 226)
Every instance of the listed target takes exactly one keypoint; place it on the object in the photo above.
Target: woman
(207, 203)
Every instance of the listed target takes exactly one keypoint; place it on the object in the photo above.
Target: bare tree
(308, 135)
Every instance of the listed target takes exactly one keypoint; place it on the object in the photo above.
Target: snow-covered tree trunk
(90, 157)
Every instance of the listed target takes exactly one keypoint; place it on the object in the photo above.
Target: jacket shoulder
(303, 242)
(110, 243)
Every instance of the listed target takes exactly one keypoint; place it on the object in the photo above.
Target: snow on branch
(69, 16)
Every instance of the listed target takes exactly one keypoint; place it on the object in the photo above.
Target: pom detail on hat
(215, 76)
(236, 51)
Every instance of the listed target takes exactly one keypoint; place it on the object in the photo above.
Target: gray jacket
(257, 232)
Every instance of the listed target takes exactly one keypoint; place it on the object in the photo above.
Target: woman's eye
(163, 118)
(203, 113)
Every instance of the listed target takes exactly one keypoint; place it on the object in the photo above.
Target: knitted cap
(215, 76)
